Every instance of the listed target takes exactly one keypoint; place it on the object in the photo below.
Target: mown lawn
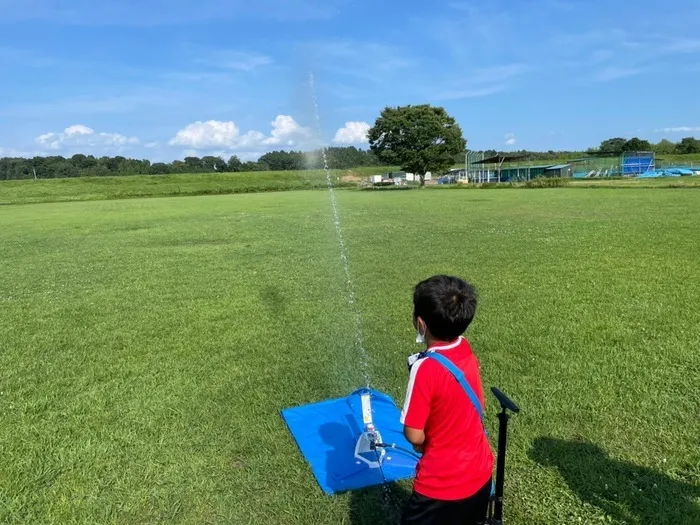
(179, 185)
(148, 345)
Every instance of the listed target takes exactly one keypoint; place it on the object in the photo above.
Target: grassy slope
(136, 186)
(147, 347)
(98, 188)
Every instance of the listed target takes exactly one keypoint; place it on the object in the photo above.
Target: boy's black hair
(447, 305)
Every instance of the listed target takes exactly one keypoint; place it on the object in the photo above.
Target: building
(559, 171)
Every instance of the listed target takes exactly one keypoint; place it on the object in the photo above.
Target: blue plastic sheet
(326, 434)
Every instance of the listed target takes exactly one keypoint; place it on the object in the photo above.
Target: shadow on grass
(380, 505)
(626, 492)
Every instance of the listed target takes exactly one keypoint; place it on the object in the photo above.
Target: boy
(453, 477)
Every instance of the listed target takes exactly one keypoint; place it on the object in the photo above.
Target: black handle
(505, 402)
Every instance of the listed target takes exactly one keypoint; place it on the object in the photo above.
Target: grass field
(187, 185)
(138, 186)
(148, 345)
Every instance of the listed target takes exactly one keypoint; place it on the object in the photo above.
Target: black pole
(500, 466)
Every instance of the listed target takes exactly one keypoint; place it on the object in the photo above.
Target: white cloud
(684, 45)
(82, 136)
(151, 145)
(484, 81)
(470, 93)
(499, 73)
(510, 139)
(78, 129)
(238, 60)
(678, 129)
(215, 134)
(614, 73)
(286, 132)
(352, 133)
(349, 58)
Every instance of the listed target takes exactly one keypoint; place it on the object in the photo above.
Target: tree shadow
(379, 505)
(626, 492)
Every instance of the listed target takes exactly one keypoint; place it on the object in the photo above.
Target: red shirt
(457, 459)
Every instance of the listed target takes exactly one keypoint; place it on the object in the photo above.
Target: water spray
(359, 344)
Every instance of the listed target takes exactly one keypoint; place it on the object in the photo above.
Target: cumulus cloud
(286, 132)
(82, 136)
(678, 129)
(510, 139)
(215, 134)
(352, 133)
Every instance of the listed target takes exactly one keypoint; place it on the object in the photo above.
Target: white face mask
(420, 338)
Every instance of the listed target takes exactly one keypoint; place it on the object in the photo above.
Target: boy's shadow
(626, 492)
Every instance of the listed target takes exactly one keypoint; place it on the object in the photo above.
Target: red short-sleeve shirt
(457, 459)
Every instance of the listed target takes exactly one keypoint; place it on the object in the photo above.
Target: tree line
(80, 165)
(336, 157)
(613, 146)
(616, 145)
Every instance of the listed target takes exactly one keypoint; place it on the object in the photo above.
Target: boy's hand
(418, 448)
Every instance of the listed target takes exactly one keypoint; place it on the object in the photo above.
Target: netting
(636, 163)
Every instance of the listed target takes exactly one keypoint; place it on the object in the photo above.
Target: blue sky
(161, 79)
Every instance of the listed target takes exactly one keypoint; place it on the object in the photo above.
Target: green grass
(148, 345)
(691, 158)
(140, 186)
(661, 182)
(135, 186)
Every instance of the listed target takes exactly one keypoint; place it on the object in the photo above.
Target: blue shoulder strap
(459, 376)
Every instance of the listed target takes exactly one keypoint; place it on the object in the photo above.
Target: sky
(163, 79)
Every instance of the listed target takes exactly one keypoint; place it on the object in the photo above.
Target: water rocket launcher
(368, 448)
(339, 439)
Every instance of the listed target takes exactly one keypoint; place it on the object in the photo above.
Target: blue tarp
(326, 434)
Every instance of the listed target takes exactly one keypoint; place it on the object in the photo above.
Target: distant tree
(79, 161)
(418, 138)
(234, 164)
(211, 164)
(178, 166)
(64, 169)
(664, 147)
(220, 165)
(160, 168)
(284, 160)
(688, 145)
(615, 145)
(254, 166)
(635, 144)
(194, 164)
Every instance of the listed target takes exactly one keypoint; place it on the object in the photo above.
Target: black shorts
(427, 511)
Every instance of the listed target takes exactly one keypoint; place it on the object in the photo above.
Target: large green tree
(688, 145)
(419, 138)
(665, 147)
(636, 144)
(615, 145)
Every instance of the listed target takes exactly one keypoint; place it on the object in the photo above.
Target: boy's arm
(415, 437)
(417, 406)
